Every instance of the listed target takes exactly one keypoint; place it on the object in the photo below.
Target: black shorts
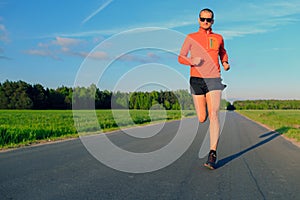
(200, 86)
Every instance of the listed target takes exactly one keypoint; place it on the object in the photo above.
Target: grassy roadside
(286, 122)
(26, 127)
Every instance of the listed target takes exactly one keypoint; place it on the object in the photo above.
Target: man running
(205, 49)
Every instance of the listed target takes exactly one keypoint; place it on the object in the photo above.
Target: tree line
(266, 104)
(21, 95)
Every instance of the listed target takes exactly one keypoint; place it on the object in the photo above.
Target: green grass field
(24, 127)
(286, 122)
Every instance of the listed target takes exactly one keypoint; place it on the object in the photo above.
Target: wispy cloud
(251, 18)
(62, 46)
(3, 33)
(230, 34)
(43, 53)
(54, 48)
(99, 55)
(115, 30)
(147, 58)
(65, 42)
(97, 11)
(246, 19)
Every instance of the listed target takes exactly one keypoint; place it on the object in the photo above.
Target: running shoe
(211, 160)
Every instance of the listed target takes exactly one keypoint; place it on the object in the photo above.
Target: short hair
(207, 10)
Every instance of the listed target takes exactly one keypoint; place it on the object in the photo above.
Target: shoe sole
(209, 166)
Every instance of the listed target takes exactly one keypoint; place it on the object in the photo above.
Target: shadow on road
(224, 161)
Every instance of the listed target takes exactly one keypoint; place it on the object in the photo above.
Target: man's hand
(226, 66)
(197, 61)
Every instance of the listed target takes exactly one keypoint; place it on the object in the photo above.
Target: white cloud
(283, 8)
(49, 49)
(147, 58)
(251, 18)
(66, 47)
(229, 34)
(260, 16)
(43, 53)
(61, 42)
(100, 55)
(65, 42)
(38, 52)
(244, 19)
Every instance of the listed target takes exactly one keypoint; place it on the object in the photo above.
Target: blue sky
(48, 41)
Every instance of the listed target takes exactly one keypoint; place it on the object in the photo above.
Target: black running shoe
(211, 160)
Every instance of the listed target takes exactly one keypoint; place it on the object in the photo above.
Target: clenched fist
(197, 61)
(226, 66)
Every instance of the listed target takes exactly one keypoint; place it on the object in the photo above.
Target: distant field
(286, 122)
(23, 127)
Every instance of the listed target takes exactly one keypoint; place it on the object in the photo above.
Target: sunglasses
(202, 19)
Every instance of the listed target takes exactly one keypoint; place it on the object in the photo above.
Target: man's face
(205, 20)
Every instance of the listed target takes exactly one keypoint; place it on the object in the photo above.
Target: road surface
(253, 163)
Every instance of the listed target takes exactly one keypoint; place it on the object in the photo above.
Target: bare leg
(213, 104)
(200, 106)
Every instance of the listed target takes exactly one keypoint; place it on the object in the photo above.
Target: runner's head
(206, 18)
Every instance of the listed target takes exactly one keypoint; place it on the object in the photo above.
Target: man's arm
(224, 56)
(182, 58)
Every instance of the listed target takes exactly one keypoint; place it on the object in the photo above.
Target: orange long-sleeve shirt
(207, 45)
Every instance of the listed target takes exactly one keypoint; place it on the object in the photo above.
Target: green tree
(16, 95)
(39, 97)
(4, 99)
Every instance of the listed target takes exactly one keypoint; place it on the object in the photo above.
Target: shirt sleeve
(222, 52)
(182, 58)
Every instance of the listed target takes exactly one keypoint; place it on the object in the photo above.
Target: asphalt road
(253, 163)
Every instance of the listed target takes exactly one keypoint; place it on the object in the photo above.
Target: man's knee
(202, 118)
(214, 115)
